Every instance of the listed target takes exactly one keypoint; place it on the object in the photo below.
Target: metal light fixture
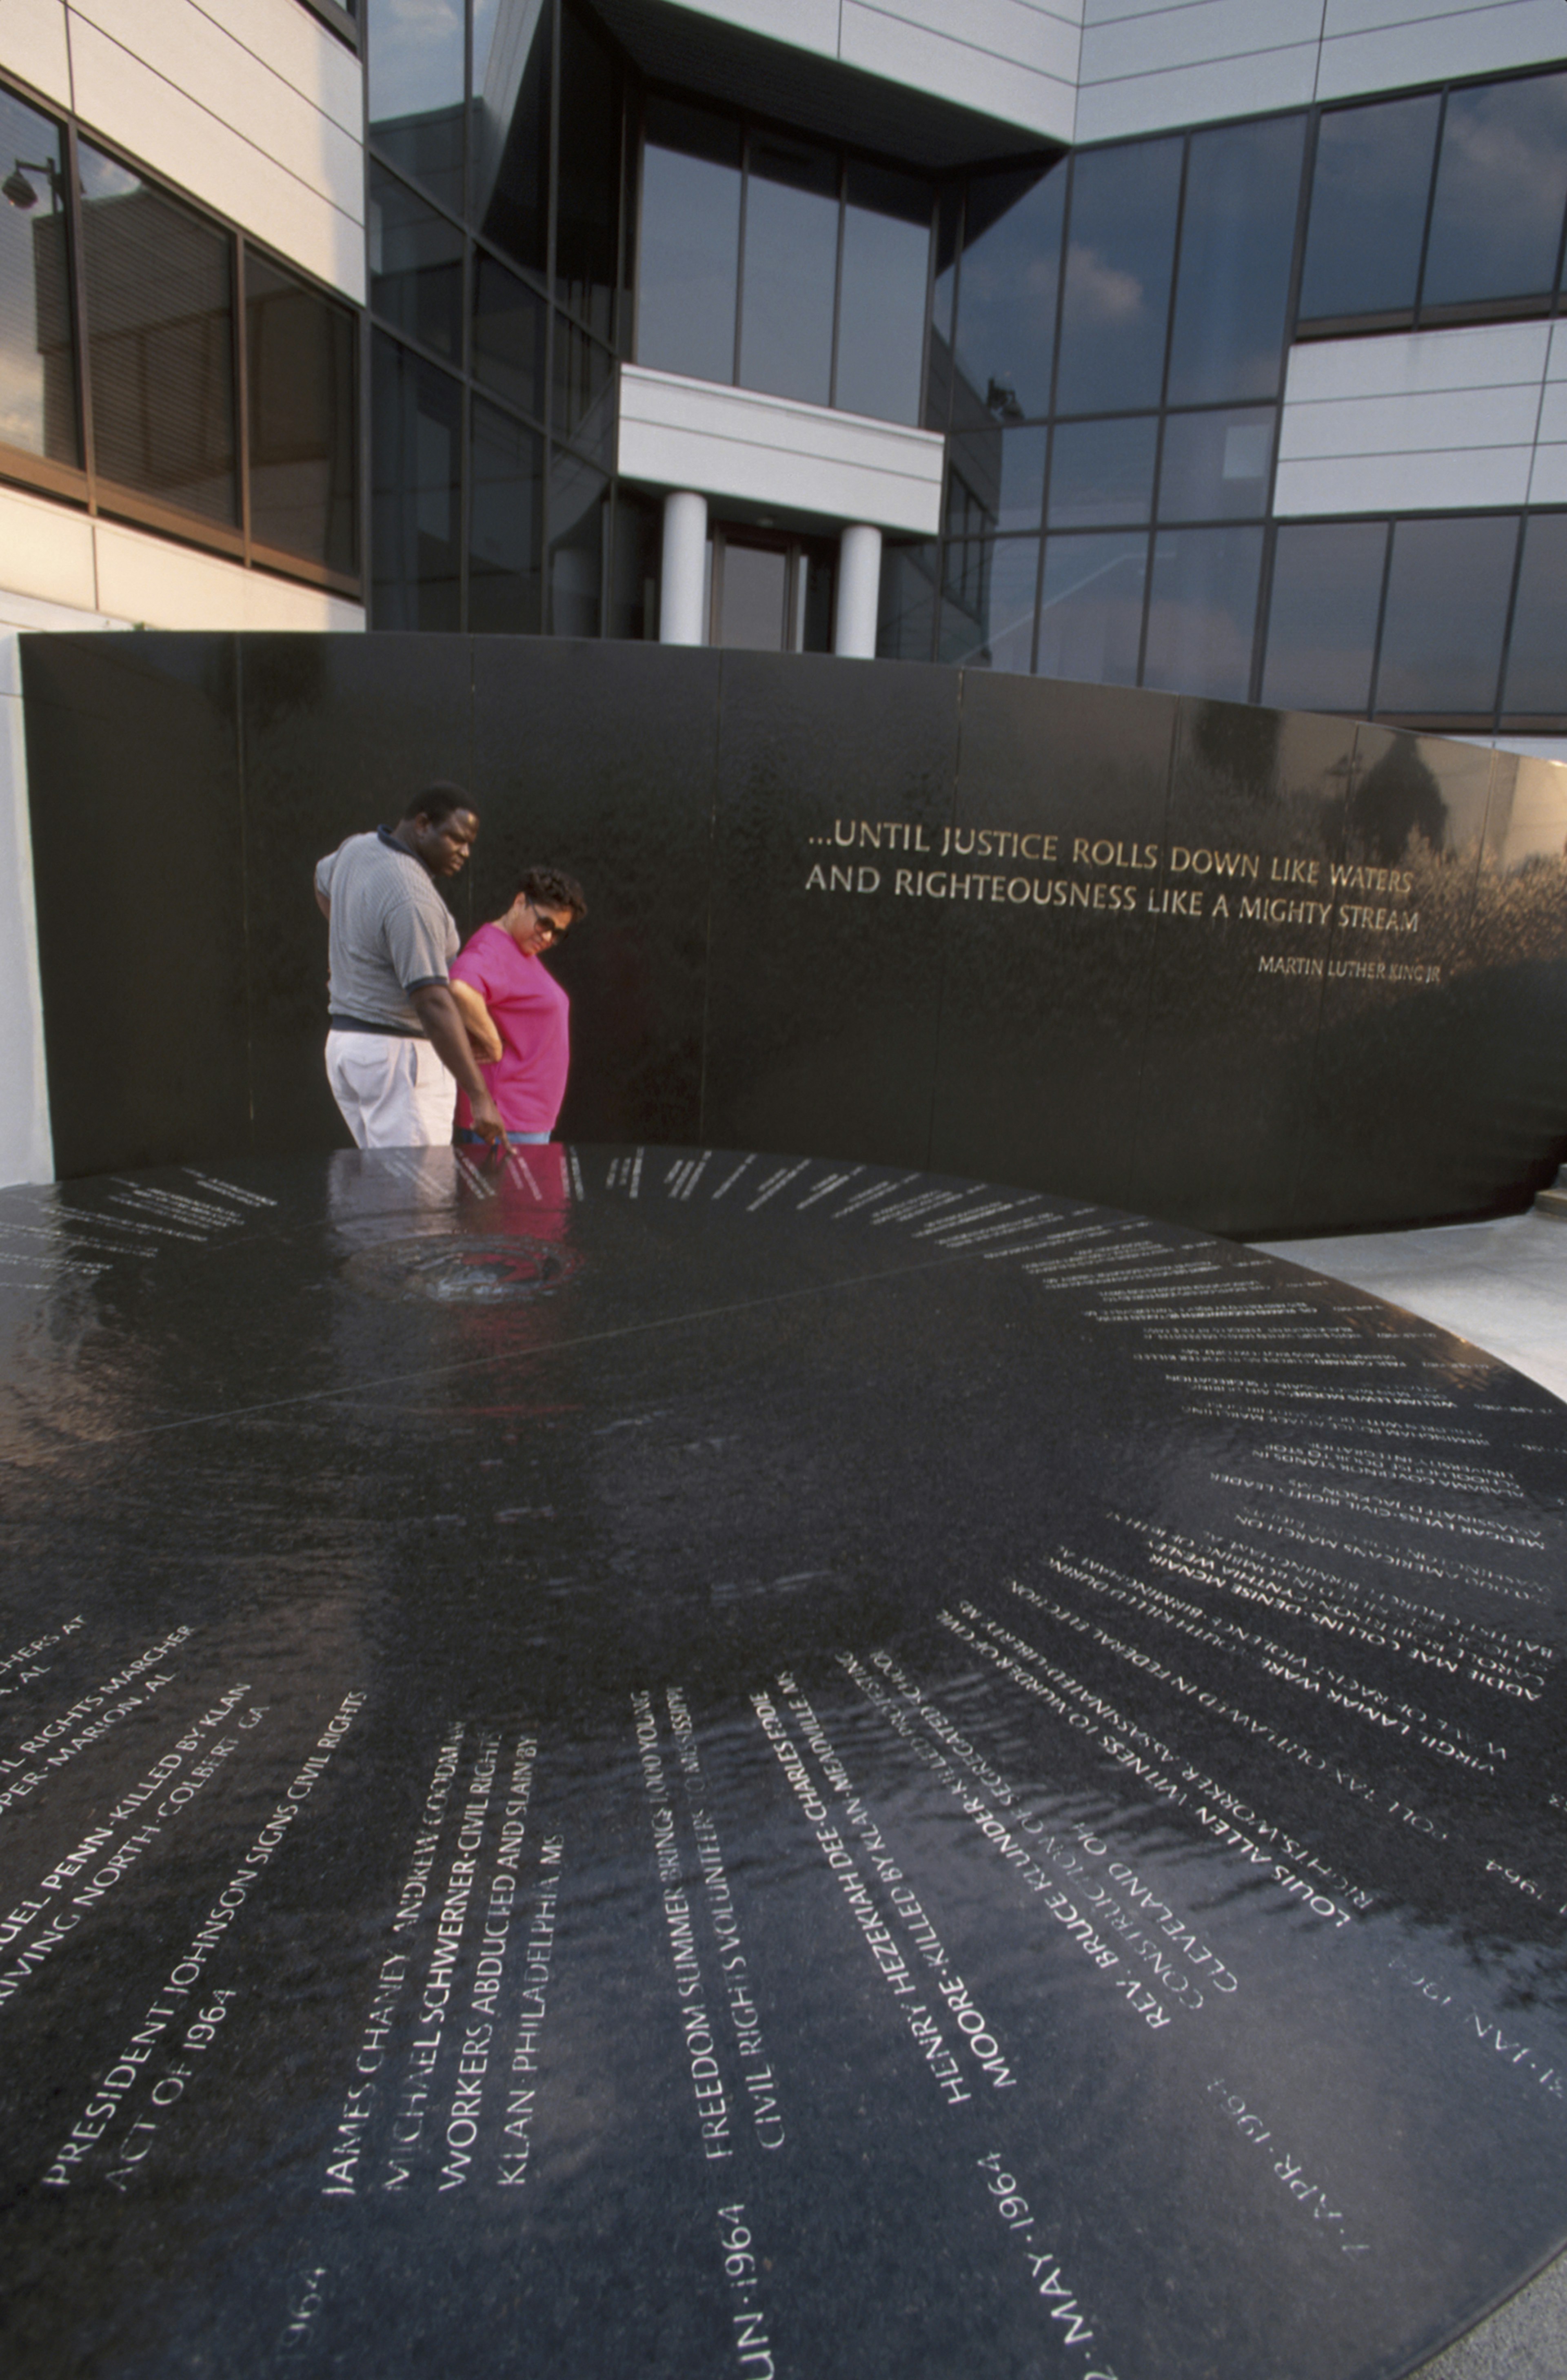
(19, 192)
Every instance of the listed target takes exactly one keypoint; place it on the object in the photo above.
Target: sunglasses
(542, 925)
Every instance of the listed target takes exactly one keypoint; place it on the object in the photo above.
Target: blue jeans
(469, 1138)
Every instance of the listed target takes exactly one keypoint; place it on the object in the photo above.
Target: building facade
(1201, 347)
(1215, 347)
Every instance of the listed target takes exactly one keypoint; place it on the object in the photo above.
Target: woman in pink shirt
(515, 1013)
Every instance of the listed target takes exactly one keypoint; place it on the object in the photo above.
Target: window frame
(340, 17)
(1429, 723)
(1420, 315)
(102, 498)
(752, 122)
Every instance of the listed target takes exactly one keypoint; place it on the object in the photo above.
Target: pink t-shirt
(527, 1081)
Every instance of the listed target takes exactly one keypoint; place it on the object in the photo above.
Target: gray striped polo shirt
(391, 932)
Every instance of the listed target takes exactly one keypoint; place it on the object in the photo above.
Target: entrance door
(768, 594)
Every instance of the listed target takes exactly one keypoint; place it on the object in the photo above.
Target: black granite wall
(1245, 970)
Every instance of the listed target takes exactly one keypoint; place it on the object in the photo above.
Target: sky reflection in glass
(1502, 186)
(790, 267)
(1007, 298)
(1537, 659)
(1121, 244)
(690, 244)
(1369, 198)
(1202, 611)
(1215, 465)
(37, 362)
(1102, 473)
(1237, 238)
(882, 305)
(1092, 608)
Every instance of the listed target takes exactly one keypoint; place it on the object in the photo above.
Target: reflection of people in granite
(396, 1036)
(517, 1015)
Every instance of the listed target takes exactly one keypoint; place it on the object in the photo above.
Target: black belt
(362, 1025)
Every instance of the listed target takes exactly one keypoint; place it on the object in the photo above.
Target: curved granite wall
(1250, 970)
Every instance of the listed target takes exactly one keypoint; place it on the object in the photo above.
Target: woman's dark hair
(549, 888)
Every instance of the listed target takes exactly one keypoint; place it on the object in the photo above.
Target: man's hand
(442, 1019)
(487, 1120)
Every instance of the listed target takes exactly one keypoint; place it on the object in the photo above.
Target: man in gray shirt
(397, 1039)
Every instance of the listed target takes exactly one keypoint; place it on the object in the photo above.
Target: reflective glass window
(1536, 653)
(881, 308)
(509, 119)
(1502, 186)
(988, 618)
(1215, 465)
(416, 543)
(503, 566)
(414, 68)
(299, 352)
(997, 480)
(1121, 241)
(416, 265)
(583, 395)
(633, 608)
(906, 611)
(1102, 473)
(1237, 239)
(1448, 586)
(1368, 198)
(38, 409)
(579, 495)
(943, 290)
(1322, 615)
(967, 514)
(160, 332)
(790, 268)
(1001, 595)
(965, 582)
(1202, 611)
(689, 259)
(509, 324)
(1092, 608)
(588, 200)
(1009, 274)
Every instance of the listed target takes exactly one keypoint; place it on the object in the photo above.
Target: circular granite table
(660, 1763)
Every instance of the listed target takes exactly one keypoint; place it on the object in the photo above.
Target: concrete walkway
(1503, 1286)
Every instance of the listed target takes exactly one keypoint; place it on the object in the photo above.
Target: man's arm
(478, 1021)
(322, 903)
(443, 1020)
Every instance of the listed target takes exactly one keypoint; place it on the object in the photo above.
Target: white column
(683, 575)
(859, 592)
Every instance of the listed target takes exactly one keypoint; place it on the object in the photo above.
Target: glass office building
(642, 323)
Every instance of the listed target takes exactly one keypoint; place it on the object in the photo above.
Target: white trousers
(394, 1093)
